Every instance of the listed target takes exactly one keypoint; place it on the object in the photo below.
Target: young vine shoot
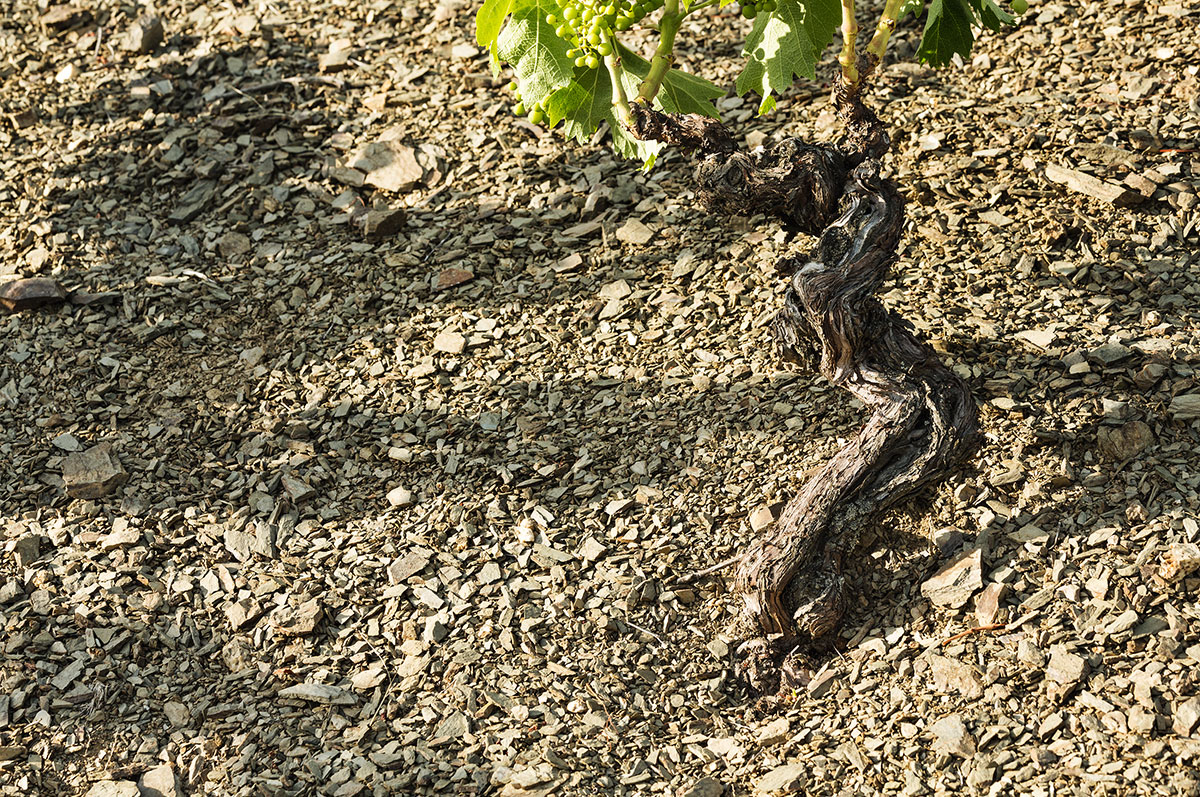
(571, 69)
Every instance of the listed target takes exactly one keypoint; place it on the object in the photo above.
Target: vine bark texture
(922, 419)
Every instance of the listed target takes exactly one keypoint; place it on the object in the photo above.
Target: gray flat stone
(27, 294)
(960, 578)
(114, 788)
(160, 782)
(950, 735)
(705, 787)
(951, 675)
(318, 693)
(1124, 442)
(93, 473)
(1187, 717)
(452, 727)
(388, 165)
(193, 203)
(145, 35)
(785, 779)
(1065, 667)
(1185, 407)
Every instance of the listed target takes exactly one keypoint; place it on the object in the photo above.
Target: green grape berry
(604, 49)
(581, 61)
(769, 6)
(587, 24)
(592, 62)
(749, 12)
(536, 116)
(1020, 6)
(513, 86)
(519, 109)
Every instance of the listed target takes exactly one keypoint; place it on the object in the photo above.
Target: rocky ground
(379, 430)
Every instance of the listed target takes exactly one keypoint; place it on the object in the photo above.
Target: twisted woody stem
(921, 422)
(922, 419)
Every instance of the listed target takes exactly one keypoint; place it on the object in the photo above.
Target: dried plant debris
(288, 508)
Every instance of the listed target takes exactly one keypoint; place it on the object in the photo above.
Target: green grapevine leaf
(583, 104)
(536, 54)
(586, 102)
(785, 43)
(948, 29)
(995, 17)
(488, 21)
(683, 92)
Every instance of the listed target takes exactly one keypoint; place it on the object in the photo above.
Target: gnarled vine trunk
(923, 419)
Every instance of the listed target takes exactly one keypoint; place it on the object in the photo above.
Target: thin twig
(975, 630)
(708, 571)
(318, 80)
(645, 631)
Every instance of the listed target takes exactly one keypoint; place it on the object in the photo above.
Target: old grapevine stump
(922, 418)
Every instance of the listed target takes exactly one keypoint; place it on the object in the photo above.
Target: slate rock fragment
(296, 621)
(383, 222)
(705, 787)
(951, 736)
(1083, 183)
(160, 782)
(145, 35)
(31, 293)
(93, 473)
(388, 165)
(1124, 442)
(785, 779)
(113, 788)
(193, 203)
(323, 694)
(957, 581)
(451, 277)
(61, 18)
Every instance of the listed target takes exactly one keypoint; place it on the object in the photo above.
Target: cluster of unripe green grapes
(587, 24)
(752, 8)
(536, 114)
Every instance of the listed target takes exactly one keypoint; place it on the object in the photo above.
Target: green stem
(616, 73)
(848, 59)
(883, 31)
(660, 64)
